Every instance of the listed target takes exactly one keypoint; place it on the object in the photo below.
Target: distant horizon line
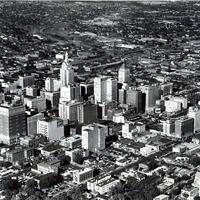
(140, 1)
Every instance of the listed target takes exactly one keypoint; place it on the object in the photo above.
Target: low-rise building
(105, 186)
(82, 176)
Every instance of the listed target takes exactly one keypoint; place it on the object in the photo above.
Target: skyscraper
(124, 74)
(152, 93)
(122, 93)
(134, 98)
(52, 128)
(49, 86)
(105, 89)
(100, 89)
(168, 127)
(66, 72)
(184, 127)
(70, 92)
(93, 137)
(87, 113)
(194, 112)
(12, 123)
(111, 90)
(69, 110)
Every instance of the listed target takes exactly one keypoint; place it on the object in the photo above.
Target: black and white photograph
(99, 100)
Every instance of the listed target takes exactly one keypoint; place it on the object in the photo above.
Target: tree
(10, 187)
(195, 161)
(10, 184)
(31, 187)
(78, 159)
(48, 180)
(37, 196)
(63, 196)
(118, 189)
(65, 160)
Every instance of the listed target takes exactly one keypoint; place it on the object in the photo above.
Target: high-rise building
(12, 123)
(68, 111)
(111, 90)
(184, 127)
(167, 88)
(152, 93)
(105, 89)
(124, 74)
(172, 106)
(87, 113)
(25, 81)
(100, 89)
(168, 127)
(32, 123)
(70, 92)
(87, 89)
(122, 93)
(52, 99)
(31, 91)
(38, 103)
(134, 98)
(182, 100)
(66, 72)
(52, 128)
(49, 85)
(194, 112)
(93, 137)
(52, 85)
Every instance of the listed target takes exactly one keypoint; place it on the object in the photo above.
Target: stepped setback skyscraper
(66, 72)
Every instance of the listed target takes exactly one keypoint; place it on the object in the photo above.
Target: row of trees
(136, 190)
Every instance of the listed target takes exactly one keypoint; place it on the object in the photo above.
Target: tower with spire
(66, 72)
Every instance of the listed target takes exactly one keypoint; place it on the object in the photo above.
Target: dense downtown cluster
(99, 100)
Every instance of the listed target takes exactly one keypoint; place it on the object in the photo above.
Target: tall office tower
(184, 127)
(70, 92)
(93, 137)
(52, 128)
(167, 88)
(105, 89)
(134, 98)
(66, 72)
(68, 111)
(31, 91)
(152, 93)
(87, 89)
(194, 112)
(38, 103)
(52, 85)
(49, 86)
(25, 81)
(52, 99)
(122, 94)
(111, 90)
(100, 89)
(87, 113)
(182, 100)
(168, 127)
(102, 111)
(32, 123)
(124, 74)
(12, 123)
